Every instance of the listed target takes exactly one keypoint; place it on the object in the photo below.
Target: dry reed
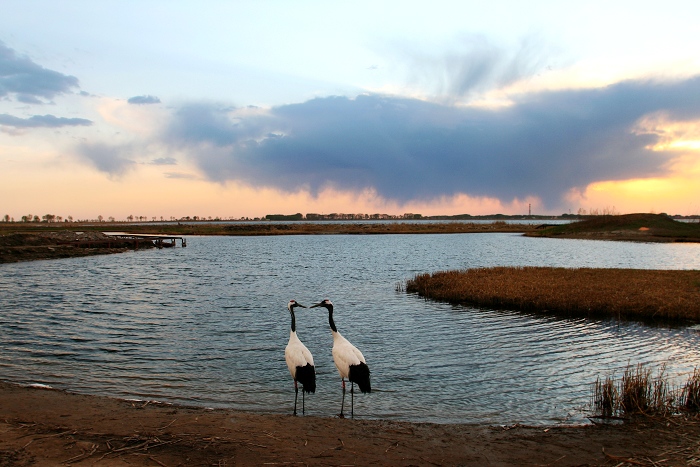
(291, 228)
(605, 397)
(617, 293)
(358, 228)
(690, 396)
(639, 393)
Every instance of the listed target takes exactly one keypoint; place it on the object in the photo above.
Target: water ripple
(207, 325)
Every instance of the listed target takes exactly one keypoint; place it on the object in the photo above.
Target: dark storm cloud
(42, 121)
(144, 100)
(544, 145)
(208, 123)
(21, 76)
(111, 160)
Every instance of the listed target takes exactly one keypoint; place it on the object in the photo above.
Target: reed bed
(358, 228)
(640, 393)
(290, 228)
(628, 227)
(618, 293)
(690, 396)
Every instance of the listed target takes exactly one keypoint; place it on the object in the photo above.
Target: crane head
(293, 304)
(327, 304)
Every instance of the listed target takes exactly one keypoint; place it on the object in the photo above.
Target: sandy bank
(42, 427)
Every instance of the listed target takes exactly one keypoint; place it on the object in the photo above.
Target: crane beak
(299, 304)
(318, 304)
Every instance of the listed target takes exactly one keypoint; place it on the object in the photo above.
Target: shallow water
(207, 325)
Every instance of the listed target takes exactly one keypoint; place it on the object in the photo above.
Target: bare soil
(40, 427)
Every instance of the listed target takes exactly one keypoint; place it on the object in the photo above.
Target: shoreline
(50, 427)
(47, 243)
(20, 242)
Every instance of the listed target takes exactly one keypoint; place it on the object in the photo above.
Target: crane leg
(296, 393)
(352, 400)
(303, 411)
(342, 403)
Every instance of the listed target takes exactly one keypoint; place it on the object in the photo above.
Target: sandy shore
(40, 427)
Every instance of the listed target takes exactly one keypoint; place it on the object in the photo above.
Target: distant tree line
(580, 214)
(35, 218)
(341, 216)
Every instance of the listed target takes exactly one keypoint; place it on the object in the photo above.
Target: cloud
(42, 121)
(180, 176)
(543, 146)
(164, 161)
(27, 99)
(112, 160)
(144, 100)
(475, 65)
(29, 81)
(218, 125)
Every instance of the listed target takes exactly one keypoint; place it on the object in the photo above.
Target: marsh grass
(638, 392)
(628, 227)
(605, 397)
(690, 396)
(664, 295)
(291, 228)
(641, 394)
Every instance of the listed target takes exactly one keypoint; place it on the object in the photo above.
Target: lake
(207, 325)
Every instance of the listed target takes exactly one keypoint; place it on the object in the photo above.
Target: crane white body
(345, 354)
(348, 360)
(299, 361)
(296, 354)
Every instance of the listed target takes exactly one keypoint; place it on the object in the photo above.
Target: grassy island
(618, 293)
(628, 227)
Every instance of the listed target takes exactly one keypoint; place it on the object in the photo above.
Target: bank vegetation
(642, 227)
(662, 295)
(274, 228)
(638, 392)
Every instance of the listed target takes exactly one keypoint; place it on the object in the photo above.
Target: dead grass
(628, 227)
(357, 228)
(690, 396)
(605, 397)
(617, 293)
(640, 393)
(274, 228)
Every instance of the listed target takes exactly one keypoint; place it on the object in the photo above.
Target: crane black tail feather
(359, 374)
(306, 376)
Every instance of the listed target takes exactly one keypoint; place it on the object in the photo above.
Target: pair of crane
(348, 360)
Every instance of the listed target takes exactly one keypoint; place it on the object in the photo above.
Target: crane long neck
(294, 325)
(330, 319)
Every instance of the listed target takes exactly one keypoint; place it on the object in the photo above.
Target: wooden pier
(159, 240)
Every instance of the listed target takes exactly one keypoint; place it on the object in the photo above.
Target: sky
(234, 109)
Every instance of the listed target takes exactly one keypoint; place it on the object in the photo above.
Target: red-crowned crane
(348, 360)
(299, 361)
